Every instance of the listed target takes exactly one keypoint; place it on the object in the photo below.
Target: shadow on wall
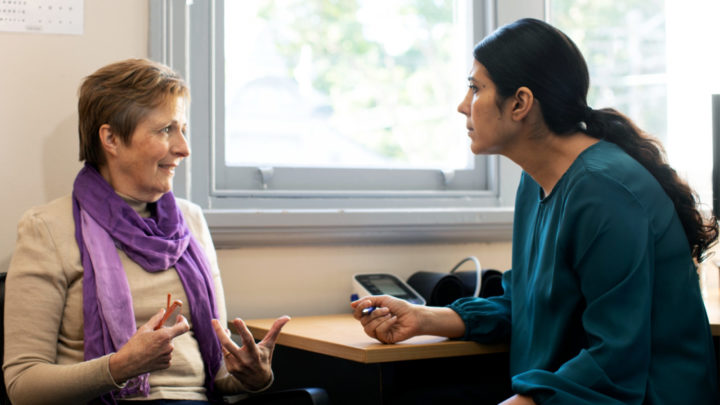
(60, 159)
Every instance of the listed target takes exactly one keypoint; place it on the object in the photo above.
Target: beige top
(44, 359)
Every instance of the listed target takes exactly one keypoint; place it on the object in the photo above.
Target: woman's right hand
(147, 350)
(392, 321)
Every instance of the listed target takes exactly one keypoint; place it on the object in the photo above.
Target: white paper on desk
(42, 16)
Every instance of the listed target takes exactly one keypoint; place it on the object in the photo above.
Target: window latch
(266, 175)
(448, 176)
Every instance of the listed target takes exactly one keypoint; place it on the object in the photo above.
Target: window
(329, 99)
(331, 85)
(654, 60)
(333, 121)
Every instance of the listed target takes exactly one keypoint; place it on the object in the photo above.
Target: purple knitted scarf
(105, 223)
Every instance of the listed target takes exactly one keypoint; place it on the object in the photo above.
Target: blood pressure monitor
(383, 283)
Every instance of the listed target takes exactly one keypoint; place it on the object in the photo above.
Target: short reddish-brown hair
(121, 95)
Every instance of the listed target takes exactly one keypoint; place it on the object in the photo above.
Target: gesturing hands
(251, 363)
(148, 349)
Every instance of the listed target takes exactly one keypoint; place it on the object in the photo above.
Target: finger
(362, 304)
(359, 300)
(357, 309)
(246, 337)
(384, 328)
(274, 332)
(358, 306)
(371, 327)
(377, 313)
(225, 341)
(181, 326)
(156, 320)
(222, 333)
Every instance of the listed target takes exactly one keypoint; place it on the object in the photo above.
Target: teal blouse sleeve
(487, 320)
(606, 241)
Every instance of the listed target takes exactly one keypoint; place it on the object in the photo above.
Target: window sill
(235, 228)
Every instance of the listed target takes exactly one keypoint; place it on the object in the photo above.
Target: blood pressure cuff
(440, 289)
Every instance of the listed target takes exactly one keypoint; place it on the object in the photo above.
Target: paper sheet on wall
(42, 16)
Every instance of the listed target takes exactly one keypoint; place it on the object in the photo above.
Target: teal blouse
(603, 304)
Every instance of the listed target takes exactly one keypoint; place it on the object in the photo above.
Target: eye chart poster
(42, 16)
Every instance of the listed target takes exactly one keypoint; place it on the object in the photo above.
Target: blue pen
(368, 310)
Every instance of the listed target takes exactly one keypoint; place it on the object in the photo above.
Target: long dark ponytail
(534, 54)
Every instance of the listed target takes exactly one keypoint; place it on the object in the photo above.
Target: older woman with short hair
(91, 271)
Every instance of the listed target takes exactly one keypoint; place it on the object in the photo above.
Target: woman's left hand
(518, 400)
(251, 363)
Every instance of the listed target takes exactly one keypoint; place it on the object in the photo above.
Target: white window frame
(242, 219)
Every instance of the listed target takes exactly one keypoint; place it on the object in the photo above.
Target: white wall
(39, 77)
(269, 282)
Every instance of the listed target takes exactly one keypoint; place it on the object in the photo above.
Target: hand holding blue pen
(392, 320)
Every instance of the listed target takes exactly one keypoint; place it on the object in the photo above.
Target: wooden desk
(710, 285)
(333, 352)
(712, 306)
(342, 336)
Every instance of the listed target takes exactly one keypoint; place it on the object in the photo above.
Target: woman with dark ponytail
(603, 301)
